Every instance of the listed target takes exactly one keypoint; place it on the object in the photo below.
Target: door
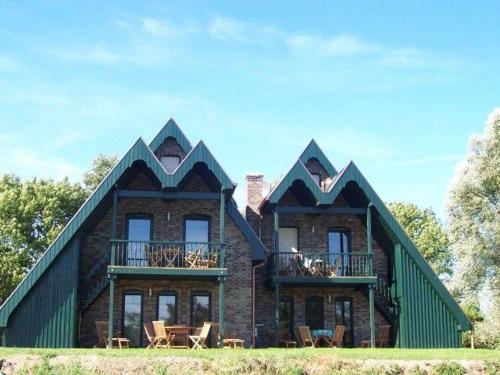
(138, 235)
(314, 312)
(343, 316)
(288, 244)
(286, 315)
(132, 318)
(339, 248)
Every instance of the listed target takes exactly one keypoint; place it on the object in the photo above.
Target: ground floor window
(343, 316)
(167, 308)
(286, 315)
(201, 309)
(132, 318)
(314, 312)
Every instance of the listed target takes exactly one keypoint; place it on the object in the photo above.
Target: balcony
(321, 268)
(167, 258)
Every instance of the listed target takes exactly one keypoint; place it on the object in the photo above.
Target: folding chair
(199, 341)
(306, 337)
(337, 339)
(163, 340)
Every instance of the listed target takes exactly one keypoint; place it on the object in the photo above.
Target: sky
(398, 87)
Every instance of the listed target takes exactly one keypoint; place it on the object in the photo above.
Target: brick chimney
(255, 185)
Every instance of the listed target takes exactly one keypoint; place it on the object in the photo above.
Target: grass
(214, 354)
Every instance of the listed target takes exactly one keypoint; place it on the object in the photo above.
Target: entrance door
(314, 312)
(138, 235)
(343, 316)
(286, 315)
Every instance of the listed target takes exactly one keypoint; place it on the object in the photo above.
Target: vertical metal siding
(427, 322)
(46, 316)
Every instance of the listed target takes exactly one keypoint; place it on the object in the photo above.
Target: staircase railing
(96, 280)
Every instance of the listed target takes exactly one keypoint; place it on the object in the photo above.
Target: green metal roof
(139, 151)
(314, 151)
(352, 173)
(171, 129)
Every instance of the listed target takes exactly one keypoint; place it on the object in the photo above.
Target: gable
(171, 129)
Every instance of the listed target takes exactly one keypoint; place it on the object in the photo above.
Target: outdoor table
(234, 343)
(323, 335)
(181, 333)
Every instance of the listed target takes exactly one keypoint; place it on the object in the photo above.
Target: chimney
(255, 184)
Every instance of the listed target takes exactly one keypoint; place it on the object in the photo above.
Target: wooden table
(180, 333)
(234, 343)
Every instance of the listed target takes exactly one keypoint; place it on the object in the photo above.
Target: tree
(101, 166)
(32, 214)
(426, 231)
(474, 214)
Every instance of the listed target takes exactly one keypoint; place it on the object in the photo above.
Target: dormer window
(316, 177)
(170, 163)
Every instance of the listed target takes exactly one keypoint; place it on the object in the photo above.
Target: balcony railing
(166, 254)
(314, 264)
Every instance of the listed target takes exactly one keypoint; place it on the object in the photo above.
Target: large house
(161, 238)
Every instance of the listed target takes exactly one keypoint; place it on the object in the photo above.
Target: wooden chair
(102, 335)
(286, 339)
(199, 342)
(337, 339)
(163, 340)
(334, 269)
(149, 329)
(305, 336)
(383, 338)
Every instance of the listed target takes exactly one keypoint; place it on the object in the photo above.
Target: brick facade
(312, 237)
(168, 224)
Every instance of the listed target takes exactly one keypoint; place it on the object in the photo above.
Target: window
(286, 315)
(197, 233)
(167, 308)
(170, 163)
(200, 309)
(314, 312)
(138, 233)
(132, 318)
(289, 240)
(338, 245)
(317, 178)
(343, 316)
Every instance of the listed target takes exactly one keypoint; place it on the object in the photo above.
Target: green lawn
(359, 354)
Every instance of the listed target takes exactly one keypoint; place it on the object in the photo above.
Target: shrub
(448, 368)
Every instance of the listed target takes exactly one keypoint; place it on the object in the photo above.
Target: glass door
(138, 235)
(343, 316)
(338, 250)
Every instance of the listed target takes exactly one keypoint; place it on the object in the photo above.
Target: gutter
(254, 329)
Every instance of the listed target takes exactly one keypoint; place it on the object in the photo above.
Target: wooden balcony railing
(166, 254)
(315, 264)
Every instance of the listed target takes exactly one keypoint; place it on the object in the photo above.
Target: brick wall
(170, 147)
(238, 292)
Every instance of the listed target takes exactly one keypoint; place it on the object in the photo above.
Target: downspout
(263, 263)
(254, 333)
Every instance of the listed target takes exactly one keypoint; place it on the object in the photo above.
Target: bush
(448, 368)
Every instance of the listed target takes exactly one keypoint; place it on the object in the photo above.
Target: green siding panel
(427, 322)
(46, 316)
(171, 129)
(314, 151)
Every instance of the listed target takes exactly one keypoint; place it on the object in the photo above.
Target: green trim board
(312, 150)
(166, 271)
(139, 151)
(258, 248)
(171, 129)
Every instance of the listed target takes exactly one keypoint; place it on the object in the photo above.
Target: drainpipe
(254, 333)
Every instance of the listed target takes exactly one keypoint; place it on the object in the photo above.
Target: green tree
(426, 231)
(101, 166)
(32, 214)
(474, 213)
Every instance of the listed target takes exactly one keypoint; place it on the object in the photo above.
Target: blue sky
(398, 87)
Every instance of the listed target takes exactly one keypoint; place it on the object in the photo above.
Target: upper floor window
(197, 232)
(338, 249)
(138, 234)
(288, 240)
(170, 163)
(317, 178)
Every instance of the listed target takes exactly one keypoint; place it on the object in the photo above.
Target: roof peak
(171, 129)
(313, 150)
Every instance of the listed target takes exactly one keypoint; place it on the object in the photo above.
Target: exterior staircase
(384, 301)
(97, 281)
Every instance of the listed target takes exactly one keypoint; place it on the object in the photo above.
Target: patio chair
(335, 268)
(337, 339)
(102, 335)
(163, 339)
(199, 342)
(383, 338)
(306, 337)
(286, 339)
(149, 329)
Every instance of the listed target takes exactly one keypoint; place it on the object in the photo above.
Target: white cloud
(341, 45)
(94, 54)
(229, 29)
